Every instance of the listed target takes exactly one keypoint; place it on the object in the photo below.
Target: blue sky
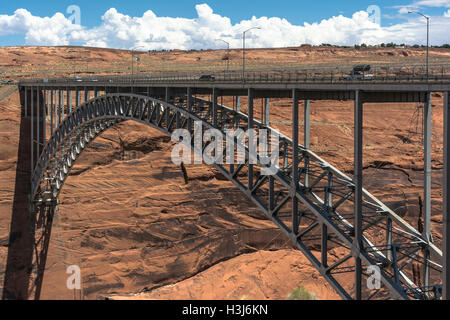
(296, 12)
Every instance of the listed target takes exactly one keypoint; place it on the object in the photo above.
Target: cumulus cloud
(54, 30)
(151, 32)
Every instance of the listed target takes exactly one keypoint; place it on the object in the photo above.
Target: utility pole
(228, 53)
(243, 51)
(428, 40)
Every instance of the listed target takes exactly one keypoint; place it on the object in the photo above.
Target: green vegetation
(300, 293)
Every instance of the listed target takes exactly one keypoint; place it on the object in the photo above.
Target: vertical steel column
(427, 114)
(267, 109)
(307, 124)
(52, 106)
(250, 128)
(32, 128)
(307, 136)
(263, 112)
(59, 108)
(238, 104)
(38, 140)
(358, 180)
(167, 110)
(446, 200)
(295, 154)
(189, 107)
(214, 98)
(69, 100)
(77, 97)
(26, 101)
(62, 106)
(44, 125)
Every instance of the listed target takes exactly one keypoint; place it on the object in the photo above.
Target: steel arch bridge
(308, 199)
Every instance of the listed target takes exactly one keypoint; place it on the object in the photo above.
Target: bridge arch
(325, 199)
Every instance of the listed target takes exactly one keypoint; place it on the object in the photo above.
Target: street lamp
(228, 53)
(428, 37)
(132, 58)
(243, 51)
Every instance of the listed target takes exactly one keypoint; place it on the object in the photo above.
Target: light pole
(228, 53)
(243, 51)
(132, 58)
(428, 38)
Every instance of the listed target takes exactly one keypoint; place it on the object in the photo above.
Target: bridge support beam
(52, 111)
(77, 98)
(307, 136)
(446, 200)
(189, 106)
(214, 98)
(427, 114)
(251, 95)
(45, 115)
(267, 111)
(69, 101)
(38, 121)
(295, 171)
(358, 180)
(238, 104)
(32, 128)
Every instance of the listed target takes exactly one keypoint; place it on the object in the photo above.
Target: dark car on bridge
(359, 73)
(207, 77)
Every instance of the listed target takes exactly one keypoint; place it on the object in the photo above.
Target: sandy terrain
(32, 62)
(133, 226)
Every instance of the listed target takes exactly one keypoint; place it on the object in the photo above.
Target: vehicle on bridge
(359, 73)
(207, 77)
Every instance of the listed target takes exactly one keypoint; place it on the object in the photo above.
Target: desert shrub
(300, 293)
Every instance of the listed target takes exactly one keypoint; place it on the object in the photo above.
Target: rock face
(131, 223)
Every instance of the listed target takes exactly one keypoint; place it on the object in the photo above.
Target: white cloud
(41, 31)
(152, 32)
(433, 3)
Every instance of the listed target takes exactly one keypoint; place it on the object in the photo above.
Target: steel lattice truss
(322, 227)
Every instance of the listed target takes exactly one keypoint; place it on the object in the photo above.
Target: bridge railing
(379, 73)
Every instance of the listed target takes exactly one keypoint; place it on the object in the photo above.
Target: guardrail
(332, 75)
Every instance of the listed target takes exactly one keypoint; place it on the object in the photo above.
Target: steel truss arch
(324, 219)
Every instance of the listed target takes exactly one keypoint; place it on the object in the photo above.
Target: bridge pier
(358, 180)
(295, 163)
(267, 112)
(446, 200)
(427, 117)
(251, 95)
(189, 106)
(306, 135)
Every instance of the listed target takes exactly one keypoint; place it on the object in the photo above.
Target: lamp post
(243, 51)
(132, 58)
(428, 38)
(228, 53)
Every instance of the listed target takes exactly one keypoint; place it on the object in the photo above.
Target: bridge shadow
(27, 253)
